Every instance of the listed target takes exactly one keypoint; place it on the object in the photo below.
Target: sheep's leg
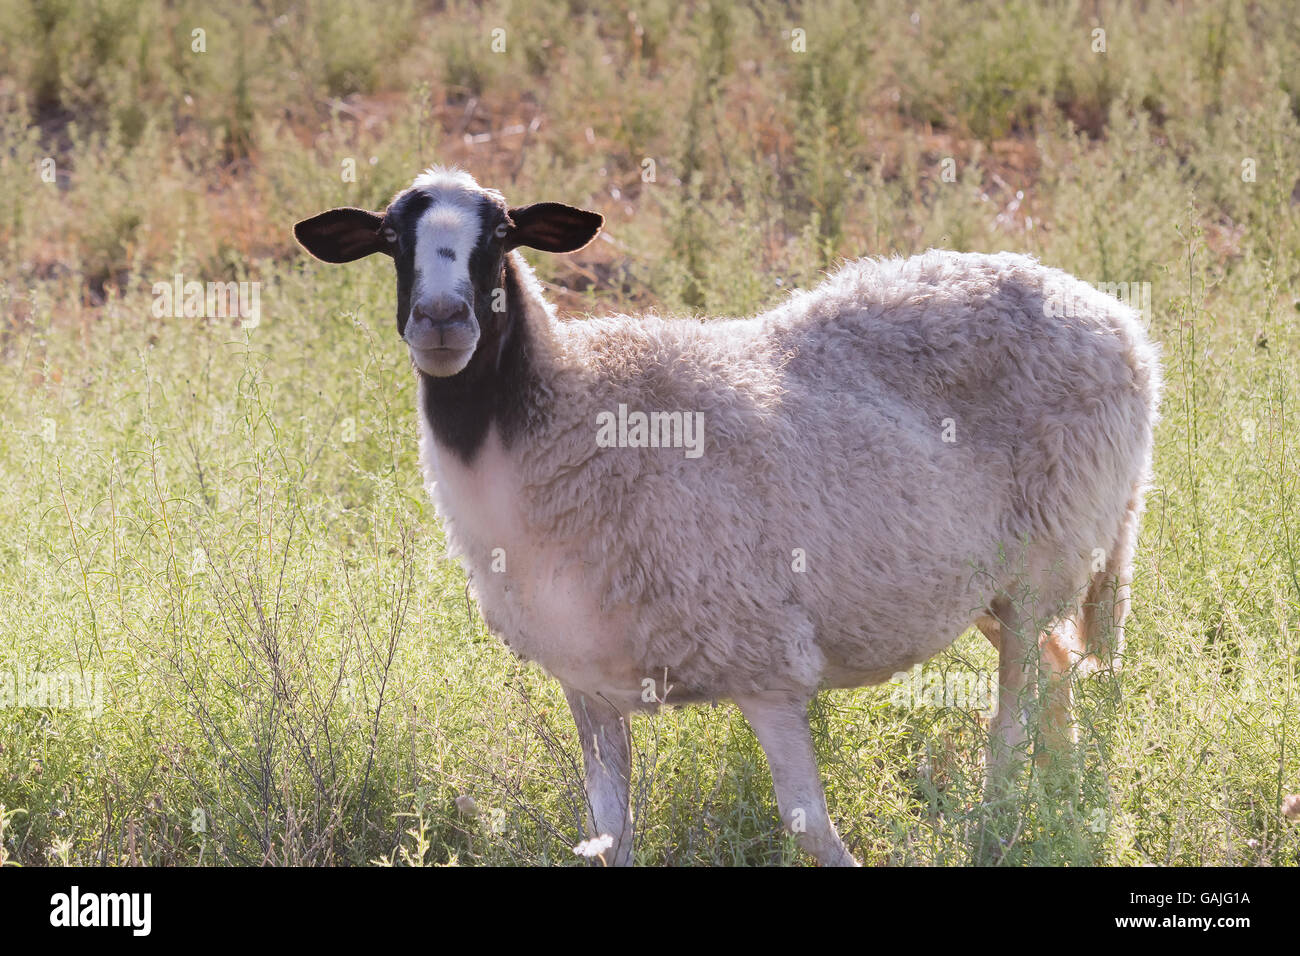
(1060, 649)
(780, 722)
(1016, 641)
(1009, 731)
(607, 756)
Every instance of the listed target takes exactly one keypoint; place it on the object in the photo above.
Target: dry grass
(226, 525)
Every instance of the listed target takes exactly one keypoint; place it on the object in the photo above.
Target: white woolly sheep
(914, 447)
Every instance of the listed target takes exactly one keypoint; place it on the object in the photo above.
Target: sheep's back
(874, 449)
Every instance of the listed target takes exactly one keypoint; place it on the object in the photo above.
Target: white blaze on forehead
(451, 225)
(444, 238)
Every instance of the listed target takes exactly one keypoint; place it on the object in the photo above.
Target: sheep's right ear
(342, 235)
(552, 227)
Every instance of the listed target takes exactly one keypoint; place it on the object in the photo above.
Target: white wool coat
(883, 455)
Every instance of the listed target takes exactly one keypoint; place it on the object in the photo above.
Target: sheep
(912, 448)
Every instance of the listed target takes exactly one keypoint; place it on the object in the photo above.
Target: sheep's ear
(552, 227)
(342, 235)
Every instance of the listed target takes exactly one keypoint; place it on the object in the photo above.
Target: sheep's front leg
(607, 755)
(780, 722)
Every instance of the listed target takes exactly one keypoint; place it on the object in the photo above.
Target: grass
(223, 528)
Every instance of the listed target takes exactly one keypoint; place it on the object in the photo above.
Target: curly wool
(884, 455)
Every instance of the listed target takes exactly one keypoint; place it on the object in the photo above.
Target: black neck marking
(498, 386)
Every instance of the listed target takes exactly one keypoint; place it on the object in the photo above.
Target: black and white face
(448, 241)
(448, 238)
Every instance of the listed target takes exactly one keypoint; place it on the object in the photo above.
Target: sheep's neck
(497, 387)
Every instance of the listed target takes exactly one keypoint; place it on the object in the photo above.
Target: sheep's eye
(390, 234)
(500, 231)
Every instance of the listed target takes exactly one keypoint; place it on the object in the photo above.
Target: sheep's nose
(442, 312)
(441, 323)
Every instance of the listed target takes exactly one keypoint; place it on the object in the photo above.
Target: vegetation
(219, 521)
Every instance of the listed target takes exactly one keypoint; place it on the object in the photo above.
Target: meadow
(229, 633)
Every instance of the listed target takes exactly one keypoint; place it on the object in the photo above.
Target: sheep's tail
(1100, 620)
(1099, 624)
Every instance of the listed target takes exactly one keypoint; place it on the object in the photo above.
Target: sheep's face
(448, 238)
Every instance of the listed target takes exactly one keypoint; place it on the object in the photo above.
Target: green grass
(225, 527)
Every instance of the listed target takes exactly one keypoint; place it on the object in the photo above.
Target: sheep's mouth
(440, 362)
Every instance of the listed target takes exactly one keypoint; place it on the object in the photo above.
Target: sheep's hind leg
(780, 722)
(607, 755)
(1008, 630)
(1008, 734)
(1058, 649)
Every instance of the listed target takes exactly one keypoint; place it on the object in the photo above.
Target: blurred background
(228, 631)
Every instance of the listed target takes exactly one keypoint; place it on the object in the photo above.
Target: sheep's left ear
(342, 235)
(552, 227)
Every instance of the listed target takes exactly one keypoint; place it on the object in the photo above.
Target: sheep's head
(448, 237)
